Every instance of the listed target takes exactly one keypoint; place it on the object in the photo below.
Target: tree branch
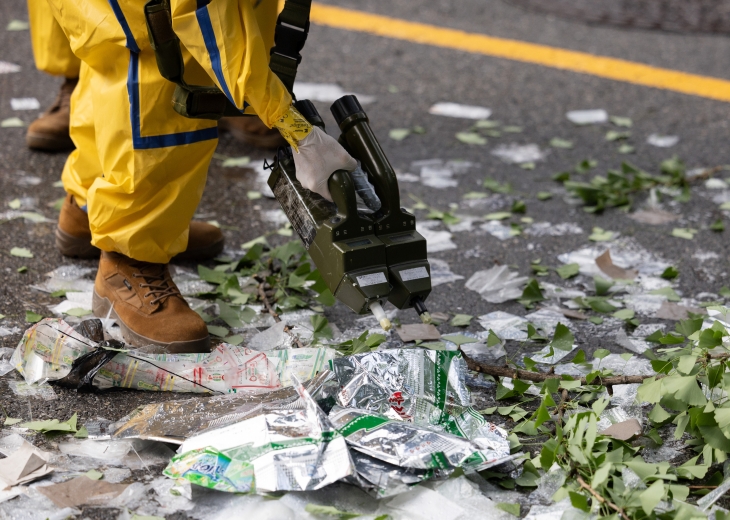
(600, 498)
(273, 313)
(539, 377)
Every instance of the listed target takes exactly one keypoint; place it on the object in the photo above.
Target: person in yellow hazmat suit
(53, 55)
(154, 161)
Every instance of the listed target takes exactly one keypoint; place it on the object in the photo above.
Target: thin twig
(601, 499)
(702, 487)
(563, 402)
(538, 377)
(273, 313)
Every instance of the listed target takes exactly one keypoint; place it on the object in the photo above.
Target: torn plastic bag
(382, 480)
(425, 387)
(412, 446)
(175, 421)
(84, 368)
(280, 450)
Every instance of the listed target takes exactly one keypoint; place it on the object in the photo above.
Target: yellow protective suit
(139, 167)
(51, 50)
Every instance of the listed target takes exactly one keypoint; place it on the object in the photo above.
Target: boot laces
(155, 281)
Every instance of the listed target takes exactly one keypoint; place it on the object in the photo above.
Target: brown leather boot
(73, 236)
(147, 306)
(50, 131)
(251, 130)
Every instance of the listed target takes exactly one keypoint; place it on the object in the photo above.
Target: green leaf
(499, 215)
(218, 331)
(519, 206)
(9, 421)
(658, 415)
(670, 273)
(459, 339)
(544, 195)
(651, 497)
(492, 339)
(624, 314)
(318, 510)
(579, 501)
(511, 508)
(461, 320)
(686, 233)
(568, 271)
(541, 415)
(586, 165)
(12, 122)
(230, 315)
(32, 317)
(253, 195)
(671, 295)
(21, 252)
(561, 176)
(471, 138)
(235, 162)
(718, 225)
(532, 293)
(52, 425)
(601, 353)
(602, 285)
(562, 338)
(94, 475)
(613, 135)
(601, 235)
(211, 275)
(621, 121)
(599, 304)
(236, 339)
(77, 312)
(685, 389)
(496, 187)
(725, 292)
(557, 142)
(398, 134)
(527, 165)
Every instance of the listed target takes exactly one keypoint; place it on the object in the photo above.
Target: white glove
(320, 155)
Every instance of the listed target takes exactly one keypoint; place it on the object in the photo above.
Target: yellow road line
(601, 66)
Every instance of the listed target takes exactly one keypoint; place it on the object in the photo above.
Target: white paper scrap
(457, 110)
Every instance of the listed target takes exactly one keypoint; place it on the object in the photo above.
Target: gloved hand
(320, 155)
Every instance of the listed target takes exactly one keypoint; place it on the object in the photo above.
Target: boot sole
(103, 307)
(75, 247)
(49, 143)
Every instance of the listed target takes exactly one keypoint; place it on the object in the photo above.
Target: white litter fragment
(23, 389)
(625, 253)
(441, 272)
(435, 240)
(499, 230)
(465, 224)
(519, 153)
(421, 503)
(713, 496)
(190, 283)
(662, 141)
(497, 285)
(326, 92)
(505, 325)
(462, 111)
(439, 178)
(74, 300)
(27, 180)
(5, 364)
(543, 356)
(715, 184)
(275, 216)
(68, 278)
(408, 177)
(29, 103)
(8, 68)
(587, 117)
(548, 485)
(547, 229)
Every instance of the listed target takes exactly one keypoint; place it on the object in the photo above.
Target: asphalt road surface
(405, 79)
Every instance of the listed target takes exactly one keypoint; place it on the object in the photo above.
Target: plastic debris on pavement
(519, 153)
(497, 284)
(542, 229)
(498, 230)
(587, 117)
(8, 68)
(29, 103)
(68, 278)
(24, 465)
(23, 389)
(50, 349)
(82, 490)
(326, 92)
(441, 272)
(505, 325)
(461, 111)
(436, 240)
(279, 450)
(662, 141)
(625, 253)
